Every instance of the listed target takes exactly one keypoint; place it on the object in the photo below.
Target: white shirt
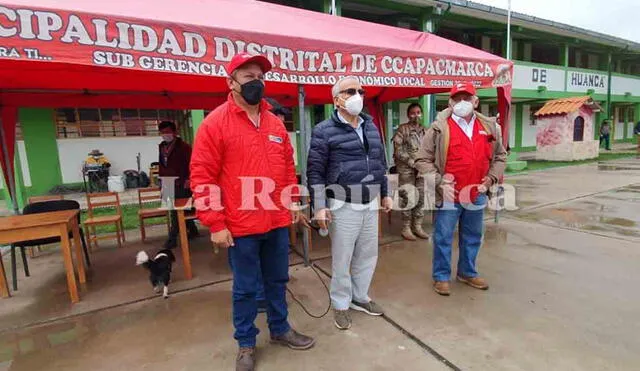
(256, 124)
(467, 127)
(358, 128)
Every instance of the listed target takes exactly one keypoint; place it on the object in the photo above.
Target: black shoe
(193, 233)
(170, 244)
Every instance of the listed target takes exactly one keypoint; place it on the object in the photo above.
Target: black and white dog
(159, 268)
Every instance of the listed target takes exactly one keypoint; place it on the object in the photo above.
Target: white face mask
(463, 108)
(167, 138)
(354, 104)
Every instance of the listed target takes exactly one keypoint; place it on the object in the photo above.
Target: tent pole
(10, 183)
(305, 139)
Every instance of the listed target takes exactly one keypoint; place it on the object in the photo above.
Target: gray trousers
(354, 250)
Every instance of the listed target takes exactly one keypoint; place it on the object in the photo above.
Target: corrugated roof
(566, 105)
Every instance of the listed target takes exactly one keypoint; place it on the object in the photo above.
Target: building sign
(623, 85)
(579, 81)
(45, 36)
(532, 77)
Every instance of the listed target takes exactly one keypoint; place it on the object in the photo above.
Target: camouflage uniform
(406, 143)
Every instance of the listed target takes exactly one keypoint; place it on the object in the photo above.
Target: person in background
(241, 139)
(347, 164)
(175, 155)
(97, 158)
(605, 133)
(96, 167)
(406, 143)
(463, 152)
(636, 131)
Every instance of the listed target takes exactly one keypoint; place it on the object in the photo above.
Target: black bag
(143, 180)
(131, 178)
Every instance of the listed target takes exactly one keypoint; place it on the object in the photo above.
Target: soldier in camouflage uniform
(406, 143)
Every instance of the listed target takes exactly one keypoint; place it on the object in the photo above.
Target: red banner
(31, 34)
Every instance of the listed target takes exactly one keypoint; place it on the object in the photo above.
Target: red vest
(468, 160)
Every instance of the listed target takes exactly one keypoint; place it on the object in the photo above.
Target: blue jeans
(255, 259)
(471, 225)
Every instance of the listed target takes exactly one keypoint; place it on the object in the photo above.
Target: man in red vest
(463, 153)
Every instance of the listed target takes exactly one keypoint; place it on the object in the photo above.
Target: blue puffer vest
(338, 157)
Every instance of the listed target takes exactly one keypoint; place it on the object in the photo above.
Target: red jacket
(228, 147)
(468, 160)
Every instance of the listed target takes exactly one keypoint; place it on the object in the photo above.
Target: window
(109, 122)
(578, 129)
(542, 53)
(532, 117)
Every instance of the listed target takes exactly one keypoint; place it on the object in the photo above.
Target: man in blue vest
(347, 177)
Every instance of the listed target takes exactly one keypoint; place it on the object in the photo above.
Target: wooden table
(182, 205)
(18, 228)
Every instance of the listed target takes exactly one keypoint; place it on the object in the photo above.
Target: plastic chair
(34, 199)
(37, 208)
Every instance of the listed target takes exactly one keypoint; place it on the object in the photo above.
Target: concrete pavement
(564, 276)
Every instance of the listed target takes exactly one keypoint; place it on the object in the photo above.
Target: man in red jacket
(241, 149)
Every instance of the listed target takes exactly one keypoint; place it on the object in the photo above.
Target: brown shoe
(342, 319)
(475, 282)
(407, 234)
(294, 340)
(442, 288)
(246, 359)
(418, 231)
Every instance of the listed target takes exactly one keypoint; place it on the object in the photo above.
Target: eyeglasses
(352, 91)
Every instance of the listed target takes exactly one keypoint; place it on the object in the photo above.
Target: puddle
(616, 168)
(621, 222)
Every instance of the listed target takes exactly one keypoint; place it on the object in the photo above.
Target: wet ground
(564, 272)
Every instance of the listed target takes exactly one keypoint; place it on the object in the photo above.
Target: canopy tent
(77, 53)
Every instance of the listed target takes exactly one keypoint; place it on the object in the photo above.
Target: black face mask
(252, 91)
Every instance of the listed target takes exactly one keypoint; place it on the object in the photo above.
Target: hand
(387, 204)
(486, 184)
(222, 239)
(304, 220)
(448, 192)
(297, 216)
(323, 216)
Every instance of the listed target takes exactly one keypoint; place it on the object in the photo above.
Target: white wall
(530, 77)
(621, 85)
(630, 130)
(121, 153)
(22, 153)
(512, 127)
(619, 134)
(528, 131)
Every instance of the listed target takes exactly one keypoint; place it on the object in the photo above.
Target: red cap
(463, 87)
(243, 58)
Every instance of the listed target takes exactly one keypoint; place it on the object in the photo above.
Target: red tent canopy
(171, 54)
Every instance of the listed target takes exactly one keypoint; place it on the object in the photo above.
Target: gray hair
(335, 90)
